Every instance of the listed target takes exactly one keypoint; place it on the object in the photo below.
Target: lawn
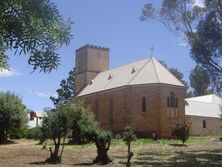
(199, 151)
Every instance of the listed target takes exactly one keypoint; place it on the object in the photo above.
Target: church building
(143, 94)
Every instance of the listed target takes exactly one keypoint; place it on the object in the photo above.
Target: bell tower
(90, 60)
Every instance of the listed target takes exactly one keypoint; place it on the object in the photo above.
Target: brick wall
(117, 108)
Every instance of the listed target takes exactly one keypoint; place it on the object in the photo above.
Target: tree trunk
(130, 154)
(54, 156)
(102, 149)
(76, 139)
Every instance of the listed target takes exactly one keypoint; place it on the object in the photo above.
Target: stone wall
(213, 125)
(90, 60)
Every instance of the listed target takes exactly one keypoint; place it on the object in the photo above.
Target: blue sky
(114, 24)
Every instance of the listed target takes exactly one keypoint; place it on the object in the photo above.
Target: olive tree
(128, 137)
(55, 127)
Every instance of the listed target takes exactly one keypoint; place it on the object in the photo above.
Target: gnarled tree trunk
(102, 145)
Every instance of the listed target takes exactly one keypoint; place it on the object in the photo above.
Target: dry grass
(204, 153)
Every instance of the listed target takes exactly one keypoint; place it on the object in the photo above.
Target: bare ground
(206, 153)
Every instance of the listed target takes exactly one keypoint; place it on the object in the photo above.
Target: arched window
(172, 99)
(143, 104)
(176, 103)
(204, 124)
(168, 101)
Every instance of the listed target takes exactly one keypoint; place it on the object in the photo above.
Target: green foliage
(199, 81)
(82, 122)
(128, 137)
(34, 133)
(206, 47)
(181, 131)
(12, 114)
(182, 17)
(35, 28)
(18, 133)
(66, 90)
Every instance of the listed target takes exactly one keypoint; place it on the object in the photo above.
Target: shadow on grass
(201, 158)
(38, 163)
(178, 145)
(9, 142)
(84, 164)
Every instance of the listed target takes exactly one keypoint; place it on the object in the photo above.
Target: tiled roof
(147, 71)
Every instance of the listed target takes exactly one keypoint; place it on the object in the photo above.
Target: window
(172, 99)
(172, 106)
(176, 102)
(204, 124)
(168, 101)
(144, 104)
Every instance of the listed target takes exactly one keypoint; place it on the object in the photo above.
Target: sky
(113, 24)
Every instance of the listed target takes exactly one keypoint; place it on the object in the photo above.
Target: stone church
(143, 94)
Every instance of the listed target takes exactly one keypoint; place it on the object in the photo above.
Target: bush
(181, 131)
(17, 133)
(34, 133)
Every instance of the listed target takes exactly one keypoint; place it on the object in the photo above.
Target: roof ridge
(168, 71)
(139, 71)
(158, 78)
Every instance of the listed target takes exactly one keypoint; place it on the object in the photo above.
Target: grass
(199, 151)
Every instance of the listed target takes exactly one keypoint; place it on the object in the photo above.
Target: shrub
(181, 131)
(18, 133)
(34, 133)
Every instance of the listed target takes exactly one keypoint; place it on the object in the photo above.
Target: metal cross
(151, 50)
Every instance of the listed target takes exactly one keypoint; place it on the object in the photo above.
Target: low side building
(203, 115)
(143, 94)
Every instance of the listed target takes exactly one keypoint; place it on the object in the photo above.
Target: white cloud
(9, 73)
(42, 94)
(183, 45)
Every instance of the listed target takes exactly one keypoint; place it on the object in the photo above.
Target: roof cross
(151, 50)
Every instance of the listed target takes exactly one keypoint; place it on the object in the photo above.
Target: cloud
(183, 45)
(9, 73)
(42, 94)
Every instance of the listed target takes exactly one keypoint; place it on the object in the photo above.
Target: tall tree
(67, 90)
(199, 25)
(34, 28)
(199, 81)
(12, 114)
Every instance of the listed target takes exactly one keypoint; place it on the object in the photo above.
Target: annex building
(203, 113)
(143, 94)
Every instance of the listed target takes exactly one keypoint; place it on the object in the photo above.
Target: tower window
(143, 104)
(204, 124)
